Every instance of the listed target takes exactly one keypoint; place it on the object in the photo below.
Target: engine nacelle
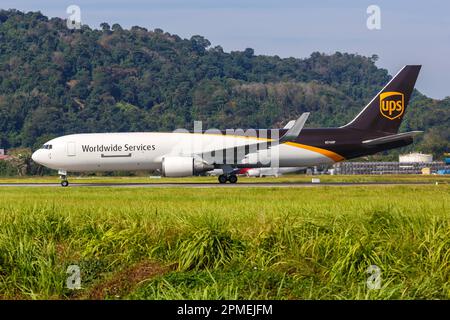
(183, 166)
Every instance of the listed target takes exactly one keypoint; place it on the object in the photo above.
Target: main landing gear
(63, 177)
(223, 178)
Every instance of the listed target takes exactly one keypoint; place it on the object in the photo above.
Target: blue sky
(412, 32)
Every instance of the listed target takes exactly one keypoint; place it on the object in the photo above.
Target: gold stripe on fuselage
(330, 154)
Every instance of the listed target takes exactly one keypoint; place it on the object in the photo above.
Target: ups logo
(392, 104)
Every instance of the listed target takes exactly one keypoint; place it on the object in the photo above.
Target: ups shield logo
(392, 104)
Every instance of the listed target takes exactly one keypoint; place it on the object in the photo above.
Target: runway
(216, 185)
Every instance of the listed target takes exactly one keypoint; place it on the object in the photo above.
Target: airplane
(183, 153)
(275, 172)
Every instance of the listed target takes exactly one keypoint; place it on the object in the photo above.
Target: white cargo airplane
(180, 154)
(275, 172)
(261, 172)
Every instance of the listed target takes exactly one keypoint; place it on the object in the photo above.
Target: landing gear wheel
(233, 178)
(222, 178)
(63, 177)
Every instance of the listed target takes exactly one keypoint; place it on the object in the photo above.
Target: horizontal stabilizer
(391, 138)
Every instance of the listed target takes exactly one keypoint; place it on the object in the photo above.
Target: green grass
(222, 243)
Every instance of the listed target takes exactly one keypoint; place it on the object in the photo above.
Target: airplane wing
(246, 148)
(289, 124)
(294, 132)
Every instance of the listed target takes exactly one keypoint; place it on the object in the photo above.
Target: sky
(412, 32)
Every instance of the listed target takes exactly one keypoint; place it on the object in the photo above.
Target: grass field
(256, 243)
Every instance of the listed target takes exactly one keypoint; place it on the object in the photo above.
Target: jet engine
(183, 166)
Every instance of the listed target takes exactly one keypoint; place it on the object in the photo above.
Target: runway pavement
(215, 184)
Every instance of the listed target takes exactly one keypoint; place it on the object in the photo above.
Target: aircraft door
(71, 149)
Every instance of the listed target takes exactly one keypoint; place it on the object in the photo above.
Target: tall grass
(209, 245)
(260, 243)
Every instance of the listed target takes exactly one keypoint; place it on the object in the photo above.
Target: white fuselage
(145, 151)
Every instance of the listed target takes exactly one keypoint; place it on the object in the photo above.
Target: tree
(116, 27)
(200, 43)
(105, 26)
(20, 160)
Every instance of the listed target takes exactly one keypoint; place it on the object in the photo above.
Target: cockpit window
(47, 146)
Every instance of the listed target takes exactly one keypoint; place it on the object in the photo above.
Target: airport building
(415, 157)
(413, 163)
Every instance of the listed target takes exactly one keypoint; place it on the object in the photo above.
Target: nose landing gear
(63, 177)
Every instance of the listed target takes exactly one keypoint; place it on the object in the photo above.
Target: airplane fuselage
(145, 151)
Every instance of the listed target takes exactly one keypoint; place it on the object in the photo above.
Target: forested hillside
(55, 81)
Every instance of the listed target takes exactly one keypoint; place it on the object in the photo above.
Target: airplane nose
(37, 156)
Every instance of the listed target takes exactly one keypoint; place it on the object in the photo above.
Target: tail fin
(386, 110)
